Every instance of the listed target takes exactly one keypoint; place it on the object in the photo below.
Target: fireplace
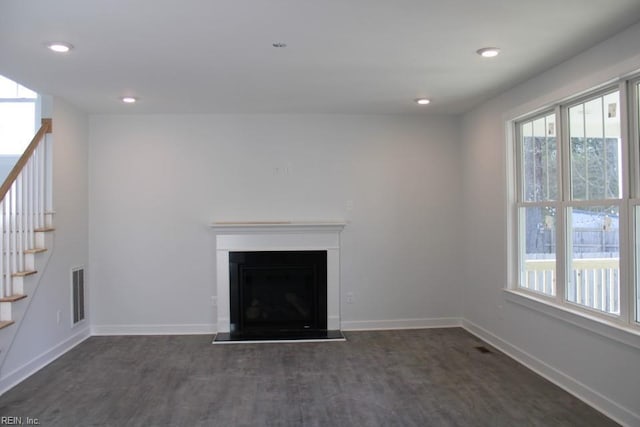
(278, 294)
(277, 281)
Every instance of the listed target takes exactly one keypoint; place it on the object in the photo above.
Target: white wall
(41, 338)
(598, 368)
(157, 182)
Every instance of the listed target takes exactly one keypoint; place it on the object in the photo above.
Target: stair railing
(25, 198)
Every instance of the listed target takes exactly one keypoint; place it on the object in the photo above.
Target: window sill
(610, 330)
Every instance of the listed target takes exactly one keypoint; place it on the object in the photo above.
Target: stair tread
(44, 229)
(35, 250)
(24, 273)
(5, 323)
(13, 298)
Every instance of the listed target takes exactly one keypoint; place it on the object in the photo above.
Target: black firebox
(278, 295)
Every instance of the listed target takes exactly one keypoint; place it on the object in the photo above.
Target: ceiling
(342, 56)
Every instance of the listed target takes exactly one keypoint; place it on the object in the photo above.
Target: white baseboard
(182, 329)
(372, 325)
(197, 329)
(603, 404)
(34, 365)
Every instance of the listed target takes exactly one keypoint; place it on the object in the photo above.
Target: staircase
(26, 219)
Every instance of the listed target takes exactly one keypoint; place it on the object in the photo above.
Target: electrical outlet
(58, 316)
(349, 297)
(214, 301)
(349, 205)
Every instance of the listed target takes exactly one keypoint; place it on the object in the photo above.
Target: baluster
(577, 275)
(29, 205)
(602, 286)
(48, 156)
(610, 284)
(41, 193)
(615, 285)
(19, 225)
(588, 288)
(540, 281)
(37, 191)
(12, 230)
(7, 242)
(34, 219)
(593, 276)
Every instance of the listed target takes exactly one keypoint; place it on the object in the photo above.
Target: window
(17, 117)
(575, 203)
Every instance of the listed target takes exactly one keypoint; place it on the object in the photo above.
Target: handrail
(45, 128)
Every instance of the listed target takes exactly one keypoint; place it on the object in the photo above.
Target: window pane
(539, 159)
(594, 258)
(17, 127)
(538, 251)
(637, 281)
(594, 136)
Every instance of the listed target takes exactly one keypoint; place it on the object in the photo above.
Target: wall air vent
(77, 291)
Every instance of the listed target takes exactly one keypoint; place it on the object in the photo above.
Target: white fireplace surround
(278, 236)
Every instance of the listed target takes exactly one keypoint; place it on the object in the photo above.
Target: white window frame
(633, 121)
(519, 197)
(627, 324)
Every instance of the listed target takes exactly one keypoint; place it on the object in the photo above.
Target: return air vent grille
(77, 280)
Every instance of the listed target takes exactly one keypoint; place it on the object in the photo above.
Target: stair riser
(13, 310)
(29, 262)
(40, 239)
(48, 219)
(5, 311)
(18, 285)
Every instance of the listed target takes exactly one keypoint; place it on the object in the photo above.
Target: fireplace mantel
(238, 236)
(232, 227)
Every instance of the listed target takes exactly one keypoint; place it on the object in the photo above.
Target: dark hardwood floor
(430, 377)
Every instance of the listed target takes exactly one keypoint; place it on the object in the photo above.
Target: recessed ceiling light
(422, 101)
(128, 99)
(60, 47)
(488, 52)
(279, 45)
